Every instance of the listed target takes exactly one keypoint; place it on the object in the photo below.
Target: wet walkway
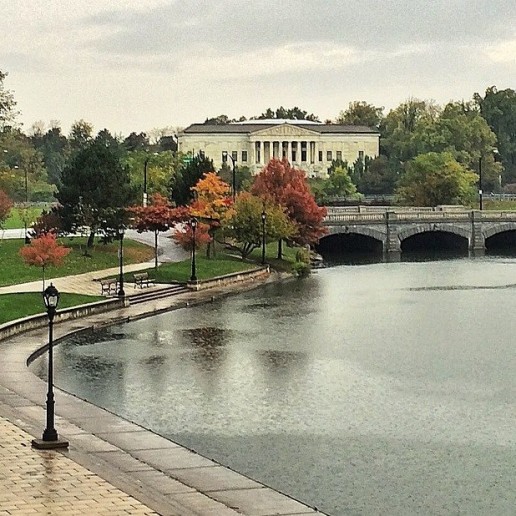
(114, 462)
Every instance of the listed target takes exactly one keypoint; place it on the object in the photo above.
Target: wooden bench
(141, 279)
(109, 286)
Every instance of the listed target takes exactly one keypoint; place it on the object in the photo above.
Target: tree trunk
(43, 279)
(91, 239)
(280, 249)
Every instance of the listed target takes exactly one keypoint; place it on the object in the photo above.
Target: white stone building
(311, 146)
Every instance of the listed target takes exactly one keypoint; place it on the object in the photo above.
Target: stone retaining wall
(33, 322)
(228, 279)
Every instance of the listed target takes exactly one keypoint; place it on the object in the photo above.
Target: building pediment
(283, 130)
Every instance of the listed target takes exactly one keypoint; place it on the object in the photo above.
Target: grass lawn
(14, 220)
(489, 204)
(15, 306)
(14, 270)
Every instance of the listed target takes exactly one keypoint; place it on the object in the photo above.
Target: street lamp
(225, 157)
(121, 292)
(50, 438)
(193, 225)
(147, 159)
(264, 219)
(480, 196)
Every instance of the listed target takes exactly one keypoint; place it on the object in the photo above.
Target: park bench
(109, 286)
(141, 279)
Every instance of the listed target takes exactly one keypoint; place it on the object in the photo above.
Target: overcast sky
(133, 65)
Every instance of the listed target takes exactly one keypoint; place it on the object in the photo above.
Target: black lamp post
(193, 225)
(480, 196)
(50, 437)
(264, 219)
(121, 292)
(145, 181)
(225, 156)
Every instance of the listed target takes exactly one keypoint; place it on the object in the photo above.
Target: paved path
(113, 466)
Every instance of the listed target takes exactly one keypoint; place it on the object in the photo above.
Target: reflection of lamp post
(225, 157)
(50, 438)
(264, 218)
(121, 292)
(193, 225)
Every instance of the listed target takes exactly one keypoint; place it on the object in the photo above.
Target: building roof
(252, 126)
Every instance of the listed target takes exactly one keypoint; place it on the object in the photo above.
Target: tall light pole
(225, 156)
(480, 196)
(264, 219)
(50, 438)
(145, 164)
(193, 225)
(121, 292)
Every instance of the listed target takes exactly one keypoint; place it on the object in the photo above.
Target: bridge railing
(414, 215)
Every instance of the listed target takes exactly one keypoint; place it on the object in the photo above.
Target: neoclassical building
(311, 146)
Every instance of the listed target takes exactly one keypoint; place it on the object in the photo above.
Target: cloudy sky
(133, 65)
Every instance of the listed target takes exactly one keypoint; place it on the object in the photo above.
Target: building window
(244, 155)
(329, 156)
(320, 155)
(339, 155)
(234, 155)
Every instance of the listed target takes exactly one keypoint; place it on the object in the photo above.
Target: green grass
(14, 220)
(220, 265)
(16, 306)
(14, 270)
(499, 205)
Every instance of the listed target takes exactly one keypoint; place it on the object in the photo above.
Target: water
(373, 389)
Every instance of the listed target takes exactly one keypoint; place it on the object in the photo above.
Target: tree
(81, 133)
(244, 223)
(159, 216)
(8, 112)
(287, 114)
(498, 107)
(5, 207)
(187, 176)
(95, 190)
(183, 236)
(55, 149)
(211, 203)
(288, 187)
(436, 178)
(378, 177)
(360, 112)
(339, 184)
(136, 141)
(44, 251)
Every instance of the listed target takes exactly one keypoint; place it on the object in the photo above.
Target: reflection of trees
(208, 346)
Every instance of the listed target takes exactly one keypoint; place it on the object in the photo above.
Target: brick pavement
(48, 482)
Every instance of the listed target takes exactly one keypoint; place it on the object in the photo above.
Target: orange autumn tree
(211, 205)
(157, 217)
(44, 251)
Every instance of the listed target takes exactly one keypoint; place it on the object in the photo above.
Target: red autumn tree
(212, 203)
(183, 235)
(5, 207)
(157, 217)
(44, 251)
(288, 187)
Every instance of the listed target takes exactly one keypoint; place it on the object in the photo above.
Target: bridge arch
(357, 230)
(352, 239)
(499, 228)
(463, 241)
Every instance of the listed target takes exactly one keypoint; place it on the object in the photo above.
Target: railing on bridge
(377, 214)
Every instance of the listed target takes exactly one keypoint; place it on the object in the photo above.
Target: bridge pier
(477, 242)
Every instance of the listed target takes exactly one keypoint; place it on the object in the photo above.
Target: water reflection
(382, 389)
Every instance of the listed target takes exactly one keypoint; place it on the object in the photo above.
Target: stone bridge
(392, 225)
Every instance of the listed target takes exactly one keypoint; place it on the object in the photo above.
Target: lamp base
(40, 444)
